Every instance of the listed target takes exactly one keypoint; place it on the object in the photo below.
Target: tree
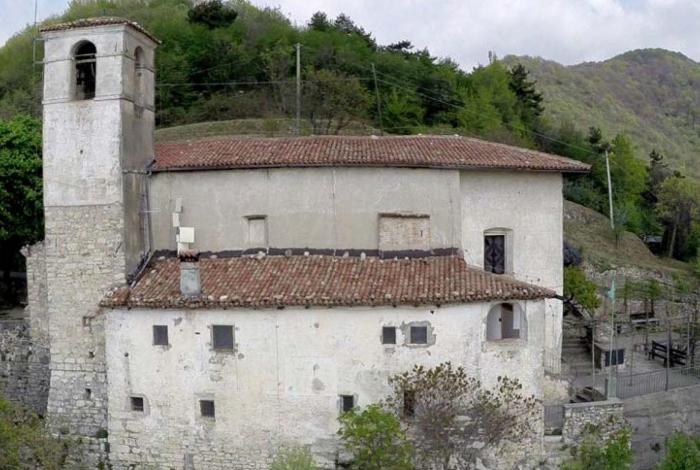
(529, 98)
(579, 289)
(212, 14)
(678, 206)
(452, 420)
(21, 205)
(402, 112)
(319, 22)
(375, 439)
(332, 100)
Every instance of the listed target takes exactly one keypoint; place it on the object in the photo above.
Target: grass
(276, 127)
(590, 232)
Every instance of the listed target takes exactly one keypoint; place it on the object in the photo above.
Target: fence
(642, 383)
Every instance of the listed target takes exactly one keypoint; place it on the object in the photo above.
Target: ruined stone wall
(24, 366)
(602, 417)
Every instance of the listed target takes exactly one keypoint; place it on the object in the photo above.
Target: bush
(298, 458)
(25, 444)
(375, 439)
(592, 455)
(682, 453)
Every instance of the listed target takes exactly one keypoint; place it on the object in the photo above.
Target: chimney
(190, 283)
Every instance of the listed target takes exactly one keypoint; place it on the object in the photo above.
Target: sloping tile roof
(98, 21)
(322, 151)
(278, 281)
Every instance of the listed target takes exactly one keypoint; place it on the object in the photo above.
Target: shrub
(25, 444)
(297, 458)
(375, 439)
(592, 454)
(682, 453)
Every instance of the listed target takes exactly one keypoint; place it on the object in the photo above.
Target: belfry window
(139, 64)
(85, 71)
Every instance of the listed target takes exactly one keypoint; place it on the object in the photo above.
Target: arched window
(85, 70)
(505, 321)
(139, 64)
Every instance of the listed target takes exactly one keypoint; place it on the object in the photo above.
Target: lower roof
(319, 280)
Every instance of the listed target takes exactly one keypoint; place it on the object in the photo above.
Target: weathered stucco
(282, 383)
(305, 207)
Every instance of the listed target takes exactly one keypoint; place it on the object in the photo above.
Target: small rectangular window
(137, 404)
(409, 403)
(389, 335)
(347, 403)
(222, 337)
(160, 335)
(495, 253)
(257, 231)
(206, 408)
(618, 357)
(419, 335)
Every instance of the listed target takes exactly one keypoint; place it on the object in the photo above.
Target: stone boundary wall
(24, 366)
(605, 417)
(656, 416)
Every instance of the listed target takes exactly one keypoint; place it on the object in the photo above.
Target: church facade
(207, 302)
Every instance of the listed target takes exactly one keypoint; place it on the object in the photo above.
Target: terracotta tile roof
(391, 151)
(98, 21)
(277, 281)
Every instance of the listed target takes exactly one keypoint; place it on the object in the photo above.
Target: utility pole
(298, 46)
(379, 102)
(610, 199)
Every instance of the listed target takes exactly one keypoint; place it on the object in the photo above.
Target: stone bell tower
(98, 140)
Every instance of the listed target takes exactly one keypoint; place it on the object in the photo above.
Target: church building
(210, 301)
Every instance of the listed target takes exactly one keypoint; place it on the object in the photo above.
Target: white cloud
(17, 14)
(568, 31)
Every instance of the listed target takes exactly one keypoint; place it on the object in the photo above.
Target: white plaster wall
(531, 206)
(305, 207)
(282, 383)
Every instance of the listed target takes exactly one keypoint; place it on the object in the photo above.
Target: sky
(568, 31)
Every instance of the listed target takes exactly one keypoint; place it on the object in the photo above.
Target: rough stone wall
(24, 366)
(656, 416)
(37, 301)
(604, 417)
(84, 258)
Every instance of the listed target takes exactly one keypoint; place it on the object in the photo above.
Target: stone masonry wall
(37, 301)
(656, 416)
(24, 366)
(605, 417)
(84, 258)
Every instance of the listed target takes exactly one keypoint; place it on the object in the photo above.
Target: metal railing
(643, 383)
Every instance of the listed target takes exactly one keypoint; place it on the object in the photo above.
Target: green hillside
(652, 95)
